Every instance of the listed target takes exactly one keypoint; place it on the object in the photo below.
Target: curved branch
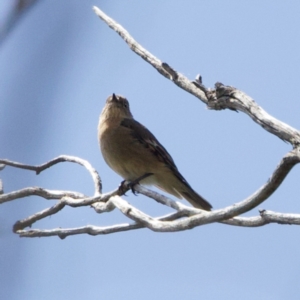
(107, 202)
(195, 217)
(89, 229)
(19, 225)
(37, 191)
(265, 218)
(65, 200)
(62, 158)
(100, 203)
(186, 211)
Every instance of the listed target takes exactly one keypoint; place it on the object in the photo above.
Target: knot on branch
(221, 97)
(173, 75)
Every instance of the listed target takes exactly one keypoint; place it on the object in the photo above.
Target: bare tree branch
(229, 97)
(107, 202)
(19, 225)
(162, 68)
(37, 191)
(62, 158)
(265, 218)
(280, 218)
(89, 229)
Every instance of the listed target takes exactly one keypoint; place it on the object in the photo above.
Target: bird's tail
(195, 199)
(179, 187)
(187, 192)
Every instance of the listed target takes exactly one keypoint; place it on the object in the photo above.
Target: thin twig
(62, 158)
(37, 191)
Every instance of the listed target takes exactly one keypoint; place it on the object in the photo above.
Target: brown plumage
(132, 151)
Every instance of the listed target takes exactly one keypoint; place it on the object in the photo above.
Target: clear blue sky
(57, 68)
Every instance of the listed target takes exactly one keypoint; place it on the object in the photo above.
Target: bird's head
(116, 107)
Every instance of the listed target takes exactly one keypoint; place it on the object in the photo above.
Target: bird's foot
(126, 185)
(123, 187)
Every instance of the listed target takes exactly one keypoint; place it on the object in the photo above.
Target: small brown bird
(132, 151)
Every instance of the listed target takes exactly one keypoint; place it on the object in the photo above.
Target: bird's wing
(149, 141)
(142, 135)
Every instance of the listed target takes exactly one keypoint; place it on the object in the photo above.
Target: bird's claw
(123, 187)
(126, 185)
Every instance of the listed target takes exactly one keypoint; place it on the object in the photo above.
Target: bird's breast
(125, 154)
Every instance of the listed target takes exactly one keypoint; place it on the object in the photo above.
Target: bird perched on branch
(133, 152)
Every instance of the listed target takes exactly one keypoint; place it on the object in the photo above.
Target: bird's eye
(125, 104)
